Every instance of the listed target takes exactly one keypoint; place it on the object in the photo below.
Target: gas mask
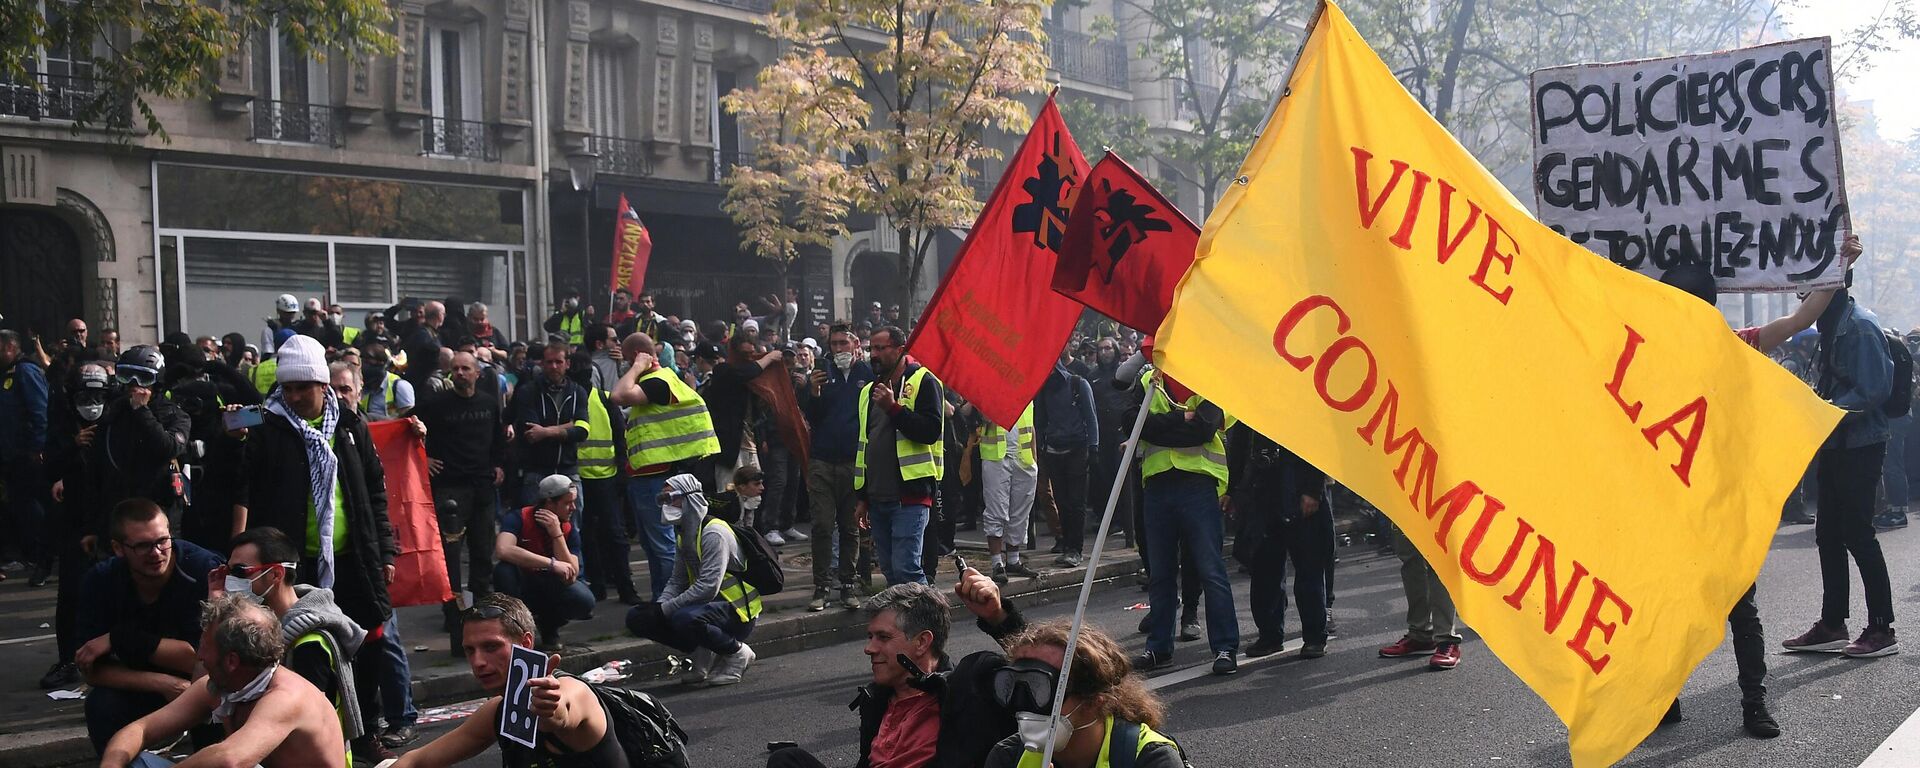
(843, 360)
(1026, 686)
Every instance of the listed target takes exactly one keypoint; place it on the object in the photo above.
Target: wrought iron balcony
(620, 157)
(459, 138)
(297, 122)
(724, 162)
(756, 6)
(1082, 57)
(43, 96)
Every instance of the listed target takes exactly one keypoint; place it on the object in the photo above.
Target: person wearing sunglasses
(320, 640)
(141, 620)
(1108, 710)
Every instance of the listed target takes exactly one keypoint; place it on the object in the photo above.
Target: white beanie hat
(301, 359)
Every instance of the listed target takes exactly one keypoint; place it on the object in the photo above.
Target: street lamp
(580, 169)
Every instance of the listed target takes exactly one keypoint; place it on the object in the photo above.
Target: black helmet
(140, 365)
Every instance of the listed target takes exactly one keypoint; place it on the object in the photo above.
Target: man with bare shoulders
(271, 719)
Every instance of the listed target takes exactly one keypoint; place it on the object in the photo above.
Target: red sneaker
(1408, 646)
(1445, 657)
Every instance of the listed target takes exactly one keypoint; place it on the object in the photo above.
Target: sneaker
(1265, 646)
(41, 573)
(1446, 656)
(774, 538)
(550, 641)
(1408, 646)
(63, 674)
(1190, 631)
(1333, 631)
(1819, 638)
(794, 534)
(1890, 520)
(1758, 721)
(1147, 661)
(847, 600)
(1069, 560)
(1313, 650)
(698, 667)
(1798, 517)
(999, 574)
(399, 736)
(818, 603)
(1223, 663)
(1020, 569)
(729, 668)
(367, 750)
(1673, 714)
(1875, 642)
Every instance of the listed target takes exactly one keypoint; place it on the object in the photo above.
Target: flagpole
(1093, 564)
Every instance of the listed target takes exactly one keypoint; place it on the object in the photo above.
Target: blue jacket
(835, 413)
(23, 411)
(1063, 414)
(1857, 376)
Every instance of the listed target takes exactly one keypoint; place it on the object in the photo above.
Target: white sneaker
(728, 669)
(703, 661)
(774, 538)
(794, 534)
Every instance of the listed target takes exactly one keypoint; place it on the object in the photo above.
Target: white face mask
(1035, 728)
(671, 513)
(337, 319)
(243, 587)
(843, 360)
(91, 412)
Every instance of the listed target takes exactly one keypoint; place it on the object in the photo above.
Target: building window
(606, 79)
(453, 94)
(59, 82)
(293, 104)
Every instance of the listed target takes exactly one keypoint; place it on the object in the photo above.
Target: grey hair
(475, 308)
(244, 628)
(916, 608)
(337, 366)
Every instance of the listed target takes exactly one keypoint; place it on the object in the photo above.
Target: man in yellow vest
(570, 321)
(603, 488)
(706, 609)
(902, 455)
(321, 640)
(1184, 471)
(667, 431)
(1008, 477)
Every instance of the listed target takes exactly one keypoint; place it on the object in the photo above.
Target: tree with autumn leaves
(880, 106)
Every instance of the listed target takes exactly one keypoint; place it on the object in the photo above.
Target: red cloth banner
(774, 386)
(993, 329)
(1126, 247)
(632, 247)
(420, 574)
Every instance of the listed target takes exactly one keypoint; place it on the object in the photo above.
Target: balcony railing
(1089, 60)
(459, 138)
(297, 122)
(620, 157)
(757, 6)
(58, 97)
(724, 162)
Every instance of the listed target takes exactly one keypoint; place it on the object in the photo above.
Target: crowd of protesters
(222, 507)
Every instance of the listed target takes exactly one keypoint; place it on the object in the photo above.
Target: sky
(1888, 83)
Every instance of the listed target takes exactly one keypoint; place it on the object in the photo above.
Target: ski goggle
(1025, 685)
(136, 375)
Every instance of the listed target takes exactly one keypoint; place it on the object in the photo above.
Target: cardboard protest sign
(517, 721)
(1371, 297)
(1730, 159)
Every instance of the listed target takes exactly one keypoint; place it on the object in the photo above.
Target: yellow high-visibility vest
(663, 433)
(596, 454)
(1209, 459)
(917, 460)
(993, 439)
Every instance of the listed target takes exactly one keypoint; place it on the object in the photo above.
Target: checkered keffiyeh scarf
(322, 471)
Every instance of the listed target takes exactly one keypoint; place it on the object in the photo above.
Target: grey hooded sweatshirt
(719, 552)
(314, 612)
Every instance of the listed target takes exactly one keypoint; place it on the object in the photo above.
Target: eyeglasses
(670, 497)
(162, 544)
(484, 612)
(245, 571)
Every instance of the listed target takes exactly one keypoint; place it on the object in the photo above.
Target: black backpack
(763, 564)
(1899, 400)
(646, 730)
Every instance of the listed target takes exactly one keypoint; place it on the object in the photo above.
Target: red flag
(632, 245)
(993, 331)
(420, 574)
(1126, 247)
(774, 386)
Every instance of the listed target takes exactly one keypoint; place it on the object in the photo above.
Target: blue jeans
(899, 533)
(1185, 507)
(386, 659)
(713, 626)
(656, 537)
(552, 601)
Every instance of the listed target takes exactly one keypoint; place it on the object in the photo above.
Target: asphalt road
(1352, 708)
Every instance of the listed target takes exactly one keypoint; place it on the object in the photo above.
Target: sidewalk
(38, 732)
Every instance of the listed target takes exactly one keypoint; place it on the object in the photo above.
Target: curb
(789, 631)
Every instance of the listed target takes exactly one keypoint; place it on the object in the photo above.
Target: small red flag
(1126, 247)
(632, 246)
(774, 386)
(992, 330)
(420, 573)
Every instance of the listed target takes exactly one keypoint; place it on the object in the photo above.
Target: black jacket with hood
(971, 722)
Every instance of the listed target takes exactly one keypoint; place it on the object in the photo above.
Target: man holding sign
(569, 718)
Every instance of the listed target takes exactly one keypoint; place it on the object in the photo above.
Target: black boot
(1672, 716)
(1757, 720)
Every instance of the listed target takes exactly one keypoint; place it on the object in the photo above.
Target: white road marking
(1901, 749)
(35, 638)
(1203, 670)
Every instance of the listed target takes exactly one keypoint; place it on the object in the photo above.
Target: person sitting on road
(575, 728)
(706, 609)
(922, 709)
(271, 720)
(141, 615)
(538, 548)
(1108, 709)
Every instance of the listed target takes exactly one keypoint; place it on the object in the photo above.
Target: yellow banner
(1592, 461)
